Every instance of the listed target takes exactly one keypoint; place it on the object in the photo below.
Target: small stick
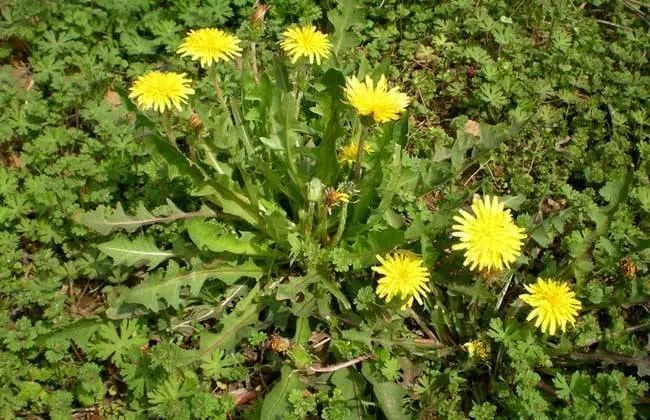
(334, 368)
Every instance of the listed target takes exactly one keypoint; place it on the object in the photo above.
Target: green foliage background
(560, 90)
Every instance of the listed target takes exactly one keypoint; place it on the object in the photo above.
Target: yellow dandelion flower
(477, 348)
(160, 90)
(554, 305)
(209, 45)
(306, 41)
(404, 276)
(348, 152)
(377, 101)
(490, 237)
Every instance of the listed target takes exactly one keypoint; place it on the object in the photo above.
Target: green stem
(322, 225)
(474, 301)
(256, 75)
(310, 219)
(411, 313)
(341, 228)
(167, 127)
(217, 89)
(361, 145)
(301, 74)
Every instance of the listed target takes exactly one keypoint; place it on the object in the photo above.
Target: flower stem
(341, 228)
(256, 75)
(310, 219)
(166, 123)
(218, 91)
(301, 75)
(361, 145)
(411, 313)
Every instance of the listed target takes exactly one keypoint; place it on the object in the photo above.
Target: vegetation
(287, 242)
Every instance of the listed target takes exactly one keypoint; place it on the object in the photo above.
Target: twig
(604, 22)
(476, 171)
(546, 387)
(321, 343)
(334, 368)
(638, 3)
(625, 331)
(611, 358)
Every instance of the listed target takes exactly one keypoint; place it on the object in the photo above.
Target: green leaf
(459, 149)
(233, 325)
(276, 403)
(616, 192)
(364, 250)
(141, 251)
(118, 343)
(177, 163)
(281, 74)
(562, 387)
(364, 337)
(351, 384)
(334, 289)
(80, 332)
(389, 395)
(105, 221)
(227, 195)
(229, 273)
(212, 237)
(329, 103)
(168, 286)
(513, 201)
(546, 231)
(296, 290)
(348, 13)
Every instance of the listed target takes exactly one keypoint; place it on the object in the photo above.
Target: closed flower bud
(194, 121)
(257, 18)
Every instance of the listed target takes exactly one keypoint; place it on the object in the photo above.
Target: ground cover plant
(353, 209)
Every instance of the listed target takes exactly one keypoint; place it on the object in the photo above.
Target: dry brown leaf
(472, 128)
(113, 98)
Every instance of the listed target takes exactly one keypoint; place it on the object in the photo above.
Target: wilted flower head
(257, 18)
(376, 101)
(306, 41)
(490, 237)
(403, 276)
(335, 198)
(159, 90)
(279, 344)
(477, 348)
(210, 45)
(554, 305)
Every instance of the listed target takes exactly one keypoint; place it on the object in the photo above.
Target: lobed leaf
(105, 221)
(138, 252)
(167, 288)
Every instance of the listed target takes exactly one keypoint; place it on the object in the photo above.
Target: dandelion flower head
(554, 305)
(306, 41)
(403, 276)
(348, 153)
(375, 100)
(490, 238)
(210, 45)
(161, 90)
